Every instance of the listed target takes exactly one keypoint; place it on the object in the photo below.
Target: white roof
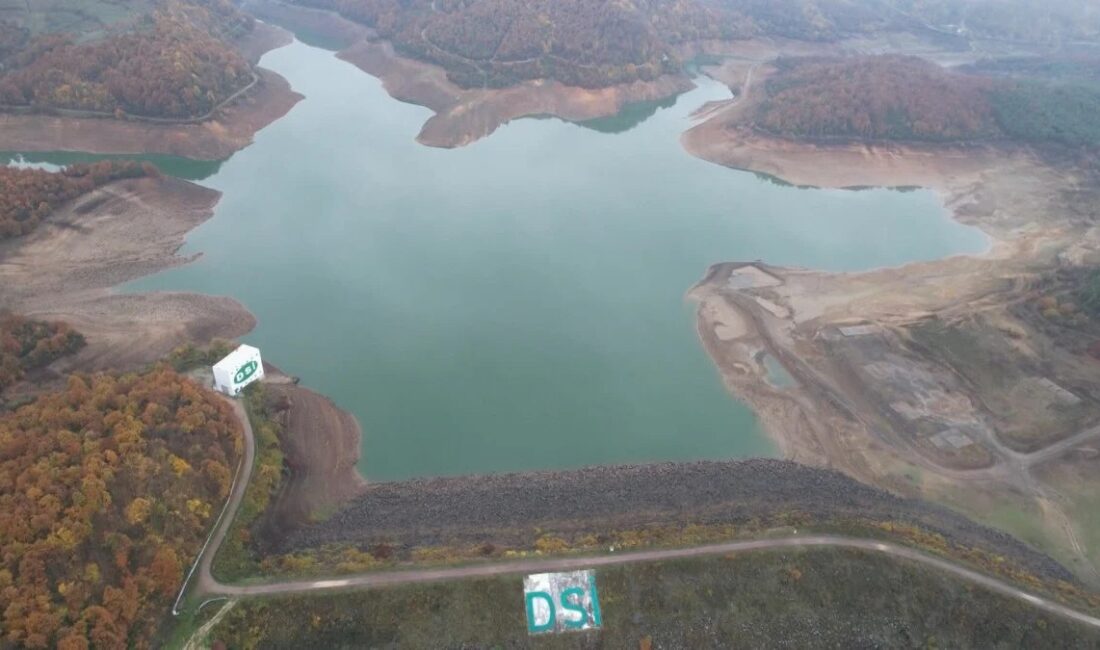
(237, 357)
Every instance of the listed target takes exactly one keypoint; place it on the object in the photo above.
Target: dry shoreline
(67, 270)
(463, 116)
(871, 401)
(321, 447)
(215, 139)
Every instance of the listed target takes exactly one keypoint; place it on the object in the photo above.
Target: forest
(595, 43)
(1034, 111)
(27, 196)
(879, 97)
(107, 489)
(498, 43)
(27, 344)
(174, 63)
(589, 43)
(905, 98)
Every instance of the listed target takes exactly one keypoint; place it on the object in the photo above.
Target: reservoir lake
(518, 303)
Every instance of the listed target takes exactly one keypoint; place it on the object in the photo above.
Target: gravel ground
(514, 508)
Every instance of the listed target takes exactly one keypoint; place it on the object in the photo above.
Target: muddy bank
(67, 267)
(462, 115)
(517, 508)
(320, 444)
(840, 165)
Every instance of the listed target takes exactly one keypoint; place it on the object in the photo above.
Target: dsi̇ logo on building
(561, 602)
(245, 371)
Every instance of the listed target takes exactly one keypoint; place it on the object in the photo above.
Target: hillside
(171, 61)
(874, 98)
(809, 599)
(593, 44)
(106, 492)
(498, 43)
(26, 344)
(27, 196)
(883, 97)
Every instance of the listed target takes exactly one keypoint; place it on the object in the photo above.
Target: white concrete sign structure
(239, 369)
(561, 602)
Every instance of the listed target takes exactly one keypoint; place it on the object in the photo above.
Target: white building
(242, 367)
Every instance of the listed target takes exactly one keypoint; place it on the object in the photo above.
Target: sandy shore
(463, 115)
(67, 268)
(216, 139)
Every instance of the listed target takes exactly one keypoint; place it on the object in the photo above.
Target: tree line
(876, 97)
(26, 344)
(27, 196)
(596, 43)
(905, 98)
(588, 43)
(174, 63)
(107, 489)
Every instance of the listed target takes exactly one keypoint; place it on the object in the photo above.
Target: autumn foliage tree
(910, 99)
(173, 64)
(876, 97)
(590, 43)
(27, 196)
(107, 489)
(597, 43)
(26, 344)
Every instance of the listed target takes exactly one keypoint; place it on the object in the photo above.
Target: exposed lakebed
(518, 303)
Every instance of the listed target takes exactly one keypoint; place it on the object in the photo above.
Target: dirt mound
(320, 443)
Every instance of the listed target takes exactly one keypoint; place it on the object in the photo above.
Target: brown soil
(66, 268)
(320, 443)
(465, 115)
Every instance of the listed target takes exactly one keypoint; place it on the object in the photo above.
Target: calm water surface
(519, 303)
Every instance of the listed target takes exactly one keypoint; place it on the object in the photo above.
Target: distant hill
(596, 43)
(910, 99)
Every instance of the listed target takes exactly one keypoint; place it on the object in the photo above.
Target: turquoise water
(518, 303)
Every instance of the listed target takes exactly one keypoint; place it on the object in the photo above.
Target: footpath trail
(208, 587)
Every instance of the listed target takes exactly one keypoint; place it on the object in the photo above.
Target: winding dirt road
(207, 586)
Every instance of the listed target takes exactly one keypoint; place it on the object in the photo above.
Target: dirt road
(205, 582)
(207, 586)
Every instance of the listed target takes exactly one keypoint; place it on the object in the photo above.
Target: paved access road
(208, 587)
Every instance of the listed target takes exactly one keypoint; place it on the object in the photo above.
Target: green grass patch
(811, 598)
